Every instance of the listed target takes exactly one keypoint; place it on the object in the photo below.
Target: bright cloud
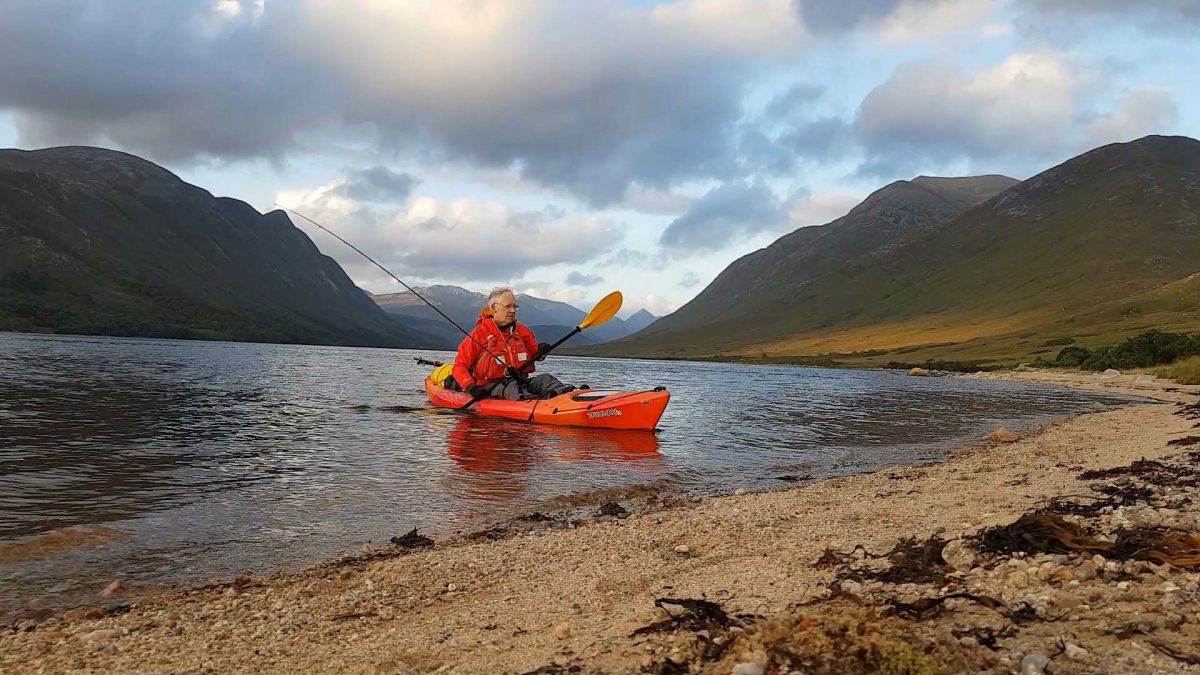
(457, 240)
(1028, 106)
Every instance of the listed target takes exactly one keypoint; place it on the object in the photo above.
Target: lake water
(163, 460)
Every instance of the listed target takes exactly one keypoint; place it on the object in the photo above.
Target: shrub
(1152, 348)
(1072, 357)
(1184, 371)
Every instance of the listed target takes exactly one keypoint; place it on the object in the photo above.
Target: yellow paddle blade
(603, 311)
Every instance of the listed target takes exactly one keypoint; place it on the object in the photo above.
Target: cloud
(727, 212)
(689, 280)
(580, 279)
(379, 184)
(822, 16)
(1065, 17)
(786, 135)
(655, 202)
(172, 81)
(460, 240)
(920, 20)
(1140, 112)
(1030, 108)
(653, 99)
(806, 208)
(626, 257)
(793, 100)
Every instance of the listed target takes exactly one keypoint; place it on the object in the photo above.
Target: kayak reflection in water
(482, 372)
(495, 457)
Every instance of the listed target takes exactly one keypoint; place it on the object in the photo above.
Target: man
(486, 373)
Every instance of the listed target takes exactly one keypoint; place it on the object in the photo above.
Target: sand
(560, 598)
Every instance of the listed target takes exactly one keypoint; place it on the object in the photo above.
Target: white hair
(497, 292)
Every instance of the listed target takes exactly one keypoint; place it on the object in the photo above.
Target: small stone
(1075, 652)
(451, 587)
(682, 549)
(1086, 572)
(740, 491)
(100, 636)
(1123, 585)
(747, 668)
(852, 587)
(1016, 579)
(1003, 435)
(959, 555)
(968, 641)
(82, 613)
(562, 631)
(113, 589)
(1034, 664)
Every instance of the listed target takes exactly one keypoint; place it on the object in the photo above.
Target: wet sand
(555, 596)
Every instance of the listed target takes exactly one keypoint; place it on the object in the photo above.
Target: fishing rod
(512, 371)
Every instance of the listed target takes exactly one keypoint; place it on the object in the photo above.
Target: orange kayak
(580, 408)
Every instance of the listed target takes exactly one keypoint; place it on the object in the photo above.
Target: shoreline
(572, 594)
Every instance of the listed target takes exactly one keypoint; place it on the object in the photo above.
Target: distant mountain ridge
(549, 319)
(985, 269)
(97, 241)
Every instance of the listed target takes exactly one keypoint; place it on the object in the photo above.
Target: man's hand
(479, 391)
(543, 347)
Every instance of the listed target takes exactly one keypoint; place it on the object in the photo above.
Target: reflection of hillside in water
(495, 459)
(79, 444)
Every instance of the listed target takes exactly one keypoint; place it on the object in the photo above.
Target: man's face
(504, 309)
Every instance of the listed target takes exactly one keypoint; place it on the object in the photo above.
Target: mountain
(549, 319)
(101, 242)
(982, 269)
(639, 320)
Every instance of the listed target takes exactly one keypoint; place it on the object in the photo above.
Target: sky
(573, 147)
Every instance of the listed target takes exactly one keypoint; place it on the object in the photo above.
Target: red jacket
(514, 345)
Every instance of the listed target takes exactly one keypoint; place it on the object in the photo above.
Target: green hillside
(1096, 249)
(100, 242)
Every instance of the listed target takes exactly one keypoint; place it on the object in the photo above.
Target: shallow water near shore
(174, 461)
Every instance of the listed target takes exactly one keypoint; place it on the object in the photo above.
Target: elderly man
(485, 373)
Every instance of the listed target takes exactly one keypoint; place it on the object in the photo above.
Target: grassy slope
(1098, 249)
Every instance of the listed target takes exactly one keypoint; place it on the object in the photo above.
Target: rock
(1016, 579)
(1034, 664)
(562, 631)
(1075, 652)
(450, 588)
(1086, 572)
(682, 549)
(959, 555)
(100, 636)
(1145, 378)
(740, 491)
(1003, 435)
(919, 372)
(747, 668)
(82, 613)
(612, 509)
(852, 587)
(1110, 374)
(114, 588)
